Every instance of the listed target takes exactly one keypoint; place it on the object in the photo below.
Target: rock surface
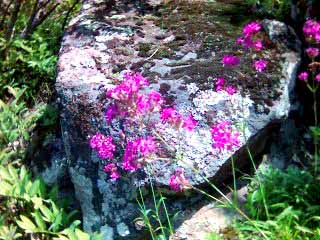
(179, 48)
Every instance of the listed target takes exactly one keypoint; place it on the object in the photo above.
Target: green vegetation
(30, 33)
(292, 197)
(278, 9)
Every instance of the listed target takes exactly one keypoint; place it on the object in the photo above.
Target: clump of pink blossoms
(311, 30)
(260, 65)
(224, 138)
(230, 60)
(178, 182)
(312, 52)
(303, 76)
(112, 169)
(220, 86)
(171, 116)
(138, 152)
(248, 39)
(103, 144)
(128, 101)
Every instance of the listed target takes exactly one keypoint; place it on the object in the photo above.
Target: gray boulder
(180, 52)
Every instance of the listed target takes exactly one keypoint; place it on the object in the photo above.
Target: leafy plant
(29, 209)
(292, 197)
(273, 8)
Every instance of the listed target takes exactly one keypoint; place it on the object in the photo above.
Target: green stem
(155, 205)
(167, 214)
(146, 218)
(235, 194)
(257, 174)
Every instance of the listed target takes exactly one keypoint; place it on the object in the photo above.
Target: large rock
(179, 49)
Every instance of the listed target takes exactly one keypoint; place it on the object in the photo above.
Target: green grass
(292, 197)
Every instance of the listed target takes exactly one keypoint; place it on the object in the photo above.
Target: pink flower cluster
(311, 30)
(223, 136)
(312, 52)
(220, 86)
(260, 65)
(128, 101)
(113, 170)
(137, 152)
(104, 145)
(171, 116)
(248, 39)
(178, 182)
(230, 60)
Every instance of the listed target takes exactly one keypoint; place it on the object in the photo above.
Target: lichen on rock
(182, 62)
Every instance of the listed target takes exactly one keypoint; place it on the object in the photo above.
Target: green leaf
(26, 224)
(48, 216)
(35, 188)
(39, 220)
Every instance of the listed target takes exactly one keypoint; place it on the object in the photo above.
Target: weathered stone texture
(181, 61)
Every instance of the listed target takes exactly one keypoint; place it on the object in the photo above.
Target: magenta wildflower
(111, 112)
(112, 169)
(260, 65)
(231, 90)
(312, 52)
(155, 100)
(311, 30)
(189, 123)
(258, 45)
(140, 148)
(219, 83)
(131, 85)
(223, 136)
(240, 41)
(251, 28)
(178, 182)
(143, 104)
(230, 60)
(171, 116)
(145, 146)
(130, 156)
(103, 144)
(303, 76)
(318, 77)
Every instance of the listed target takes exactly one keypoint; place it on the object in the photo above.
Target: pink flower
(111, 113)
(312, 52)
(258, 45)
(251, 28)
(178, 182)
(189, 123)
(260, 65)
(240, 41)
(130, 156)
(219, 83)
(155, 100)
(140, 148)
(311, 30)
(112, 168)
(318, 77)
(230, 60)
(231, 90)
(303, 76)
(223, 136)
(145, 146)
(171, 116)
(143, 104)
(103, 144)
(132, 83)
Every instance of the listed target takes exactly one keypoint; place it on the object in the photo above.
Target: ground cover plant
(30, 33)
